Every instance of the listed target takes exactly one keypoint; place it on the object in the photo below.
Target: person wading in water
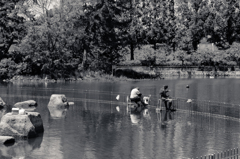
(165, 98)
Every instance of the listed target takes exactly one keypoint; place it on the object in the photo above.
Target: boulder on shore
(6, 139)
(58, 100)
(22, 126)
(29, 105)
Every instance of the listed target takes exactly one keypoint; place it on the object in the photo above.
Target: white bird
(118, 97)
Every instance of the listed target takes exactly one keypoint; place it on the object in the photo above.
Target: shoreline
(166, 75)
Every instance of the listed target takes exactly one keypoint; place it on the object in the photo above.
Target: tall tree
(12, 28)
(107, 23)
(54, 42)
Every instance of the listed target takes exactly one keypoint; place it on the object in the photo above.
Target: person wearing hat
(165, 97)
(136, 96)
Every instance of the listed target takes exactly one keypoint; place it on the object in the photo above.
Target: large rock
(36, 120)
(23, 126)
(29, 105)
(6, 139)
(58, 100)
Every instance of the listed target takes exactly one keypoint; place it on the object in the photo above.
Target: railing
(212, 108)
(228, 154)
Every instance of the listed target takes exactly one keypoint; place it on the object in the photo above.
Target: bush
(131, 63)
(7, 68)
(134, 75)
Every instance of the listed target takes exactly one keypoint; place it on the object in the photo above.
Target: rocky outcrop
(29, 105)
(22, 126)
(6, 139)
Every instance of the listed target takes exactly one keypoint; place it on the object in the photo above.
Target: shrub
(134, 74)
(7, 68)
(131, 63)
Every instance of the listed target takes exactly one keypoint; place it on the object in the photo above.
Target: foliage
(66, 39)
(12, 27)
(129, 73)
(131, 63)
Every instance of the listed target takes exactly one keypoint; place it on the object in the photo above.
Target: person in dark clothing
(165, 97)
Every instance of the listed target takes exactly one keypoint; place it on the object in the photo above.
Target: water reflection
(146, 113)
(95, 130)
(58, 112)
(135, 118)
(21, 148)
(164, 118)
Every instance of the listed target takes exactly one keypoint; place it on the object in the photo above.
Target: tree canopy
(62, 39)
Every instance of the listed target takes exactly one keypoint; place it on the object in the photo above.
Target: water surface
(93, 129)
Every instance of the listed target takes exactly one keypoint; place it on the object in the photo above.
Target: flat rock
(6, 139)
(28, 105)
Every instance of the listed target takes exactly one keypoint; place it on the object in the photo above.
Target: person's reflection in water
(135, 118)
(58, 112)
(146, 113)
(166, 118)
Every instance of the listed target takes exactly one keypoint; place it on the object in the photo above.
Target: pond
(94, 128)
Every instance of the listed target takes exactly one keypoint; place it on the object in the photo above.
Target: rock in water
(58, 100)
(29, 105)
(22, 126)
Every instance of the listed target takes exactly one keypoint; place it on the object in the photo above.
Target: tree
(12, 28)
(233, 53)
(53, 45)
(106, 28)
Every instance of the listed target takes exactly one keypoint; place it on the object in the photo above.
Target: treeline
(63, 38)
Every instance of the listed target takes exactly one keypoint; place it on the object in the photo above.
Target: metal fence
(212, 108)
(228, 154)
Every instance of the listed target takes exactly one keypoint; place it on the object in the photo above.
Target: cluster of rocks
(22, 122)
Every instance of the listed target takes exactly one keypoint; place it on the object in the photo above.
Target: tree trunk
(84, 58)
(155, 46)
(132, 52)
